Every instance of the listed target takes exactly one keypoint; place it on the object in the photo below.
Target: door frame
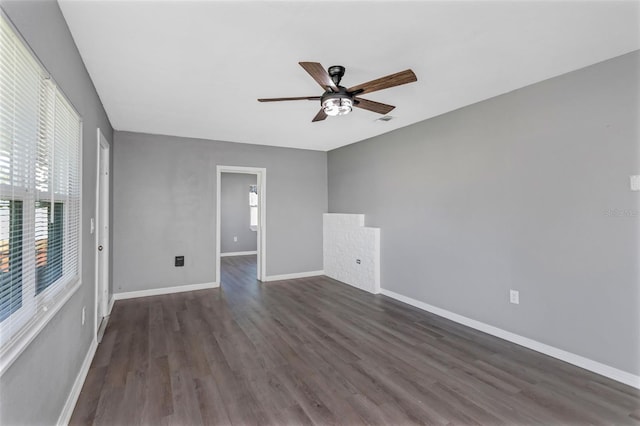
(261, 182)
(101, 220)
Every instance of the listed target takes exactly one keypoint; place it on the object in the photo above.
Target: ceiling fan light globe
(337, 106)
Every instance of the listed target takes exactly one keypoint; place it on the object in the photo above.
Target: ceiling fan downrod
(336, 72)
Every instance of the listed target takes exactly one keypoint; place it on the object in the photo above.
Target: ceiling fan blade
(319, 74)
(300, 98)
(378, 107)
(319, 116)
(402, 77)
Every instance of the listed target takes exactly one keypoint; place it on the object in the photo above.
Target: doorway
(102, 235)
(260, 228)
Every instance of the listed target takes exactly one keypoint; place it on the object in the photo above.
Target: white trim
(261, 181)
(571, 358)
(102, 142)
(14, 351)
(293, 276)
(163, 290)
(238, 253)
(74, 393)
(95, 232)
(111, 302)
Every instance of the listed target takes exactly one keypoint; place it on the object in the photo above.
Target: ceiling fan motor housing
(341, 93)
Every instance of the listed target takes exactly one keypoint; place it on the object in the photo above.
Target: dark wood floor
(315, 351)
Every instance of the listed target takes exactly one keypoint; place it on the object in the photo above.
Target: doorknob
(99, 248)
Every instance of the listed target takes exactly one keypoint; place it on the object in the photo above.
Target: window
(10, 257)
(253, 207)
(49, 238)
(40, 136)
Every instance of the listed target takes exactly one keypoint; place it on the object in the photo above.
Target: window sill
(15, 349)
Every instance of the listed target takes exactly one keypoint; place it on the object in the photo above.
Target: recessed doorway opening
(231, 238)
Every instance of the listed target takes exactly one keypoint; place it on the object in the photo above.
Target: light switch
(634, 181)
(93, 226)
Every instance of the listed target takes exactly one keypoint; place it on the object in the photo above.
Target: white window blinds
(39, 192)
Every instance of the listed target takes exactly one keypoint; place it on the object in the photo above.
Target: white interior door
(102, 230)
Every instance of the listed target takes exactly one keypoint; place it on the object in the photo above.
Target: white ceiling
(196, 68)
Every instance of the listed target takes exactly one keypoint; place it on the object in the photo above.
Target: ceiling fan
(338, 100)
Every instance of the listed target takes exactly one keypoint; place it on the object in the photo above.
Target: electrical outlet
(179, 261)
(634, 182)
(358, 261)
(235, 239)
(84, 310)
(514, 297)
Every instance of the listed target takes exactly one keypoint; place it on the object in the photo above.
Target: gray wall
(528, 191)
(34, 389)
(165, 205)
(235, 216)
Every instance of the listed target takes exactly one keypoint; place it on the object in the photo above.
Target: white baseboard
(74, 394)
(164, 290)
(580, 361)
(293, 276)
(238, 253)
(111, 302)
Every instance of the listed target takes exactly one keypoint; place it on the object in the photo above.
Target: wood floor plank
(211, 403)
(305, 396)
(314, 351)
(159, 397)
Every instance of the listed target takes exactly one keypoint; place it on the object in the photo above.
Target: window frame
(253, 189)
(47, 303)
